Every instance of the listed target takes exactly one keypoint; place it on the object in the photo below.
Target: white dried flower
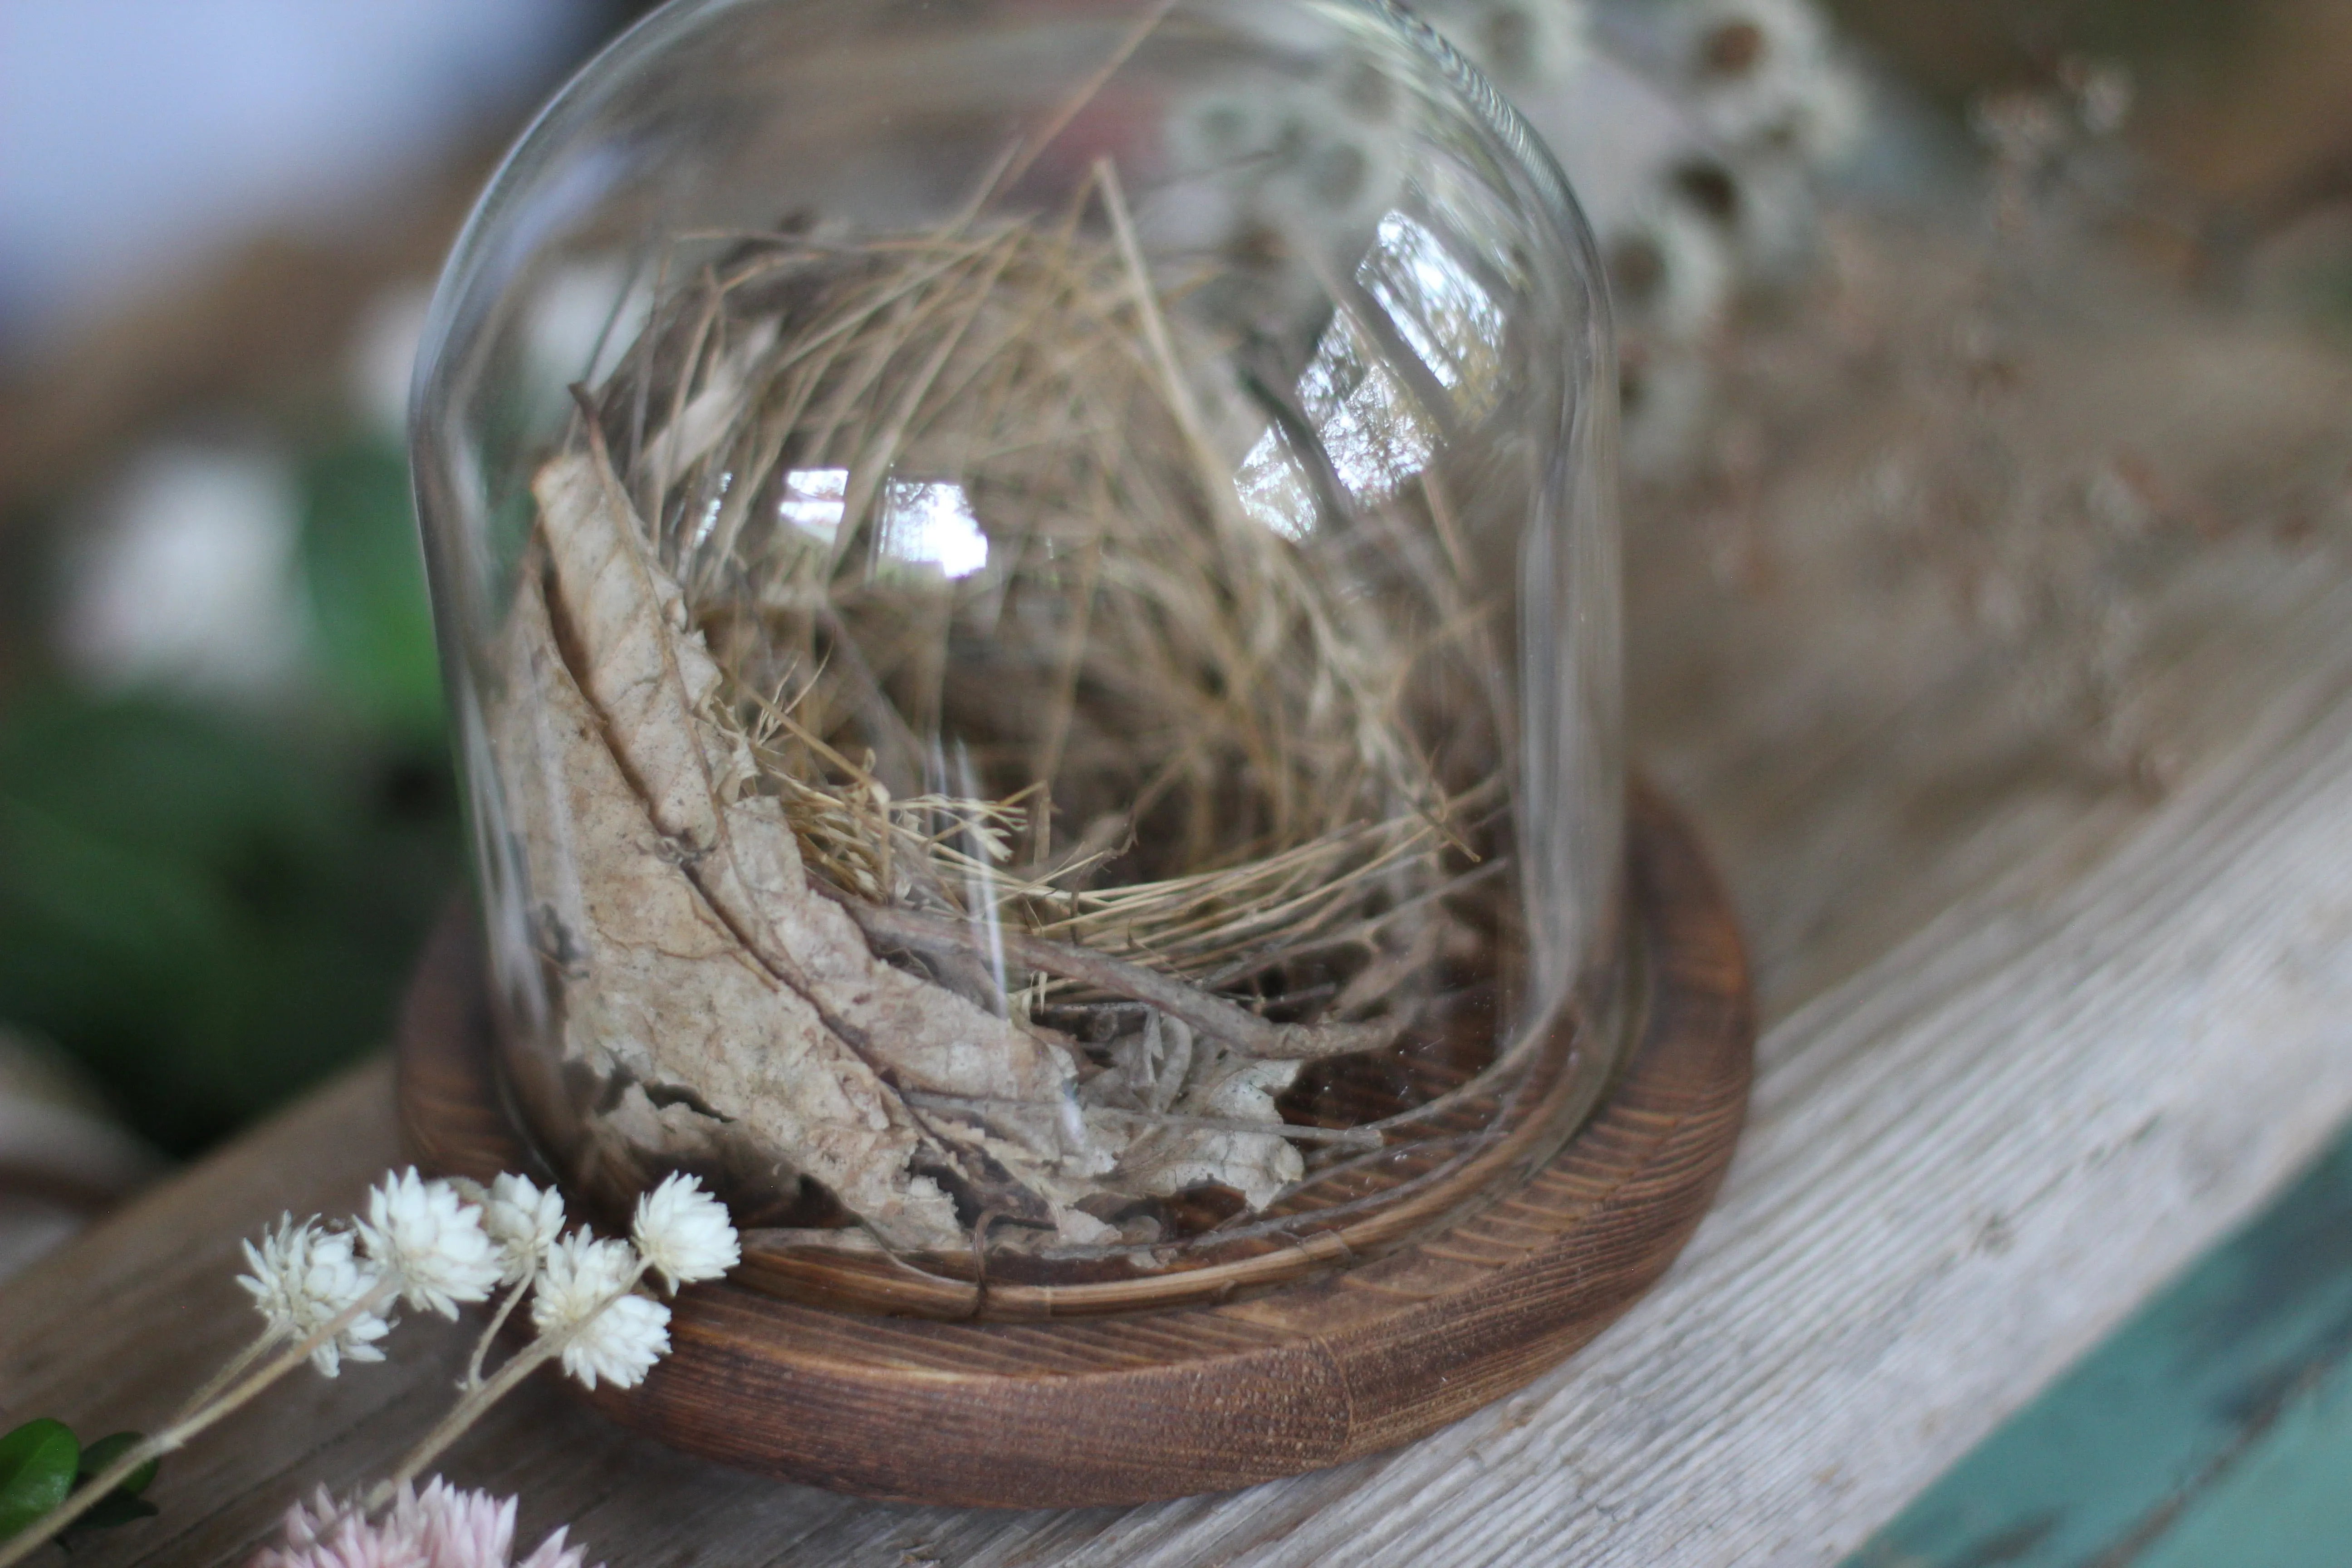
(1767, 75)
(1525, 46)
(2102, 91)
(1306, 165)
(184, 578)
(524, 1220)
(431, 1241)
(304, 1277)
(1669, 275)
(1334, 184)
(1225, 130)
(684, 1233)
(616, 1338)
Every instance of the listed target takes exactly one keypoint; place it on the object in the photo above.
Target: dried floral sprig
(306, 1275)
(431, 1243)
(325, 1292)
(231, 1397)
(586, 1309)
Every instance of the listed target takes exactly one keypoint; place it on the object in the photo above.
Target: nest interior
(966, 820)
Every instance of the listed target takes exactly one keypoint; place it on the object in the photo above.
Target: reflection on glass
(930, 525)
(1451, 323)
(813, 501)
(1274, 489)
(1377, 434)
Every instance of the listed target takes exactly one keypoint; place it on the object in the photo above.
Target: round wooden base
(1131, 1408)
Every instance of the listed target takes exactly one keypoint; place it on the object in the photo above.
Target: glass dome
(1029, 589)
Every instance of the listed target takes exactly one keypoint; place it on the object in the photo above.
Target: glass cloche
(1029, 594)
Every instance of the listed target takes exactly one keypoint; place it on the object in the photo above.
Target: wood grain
(1134, 1407)
(2034, 1041)
(1965, 1162)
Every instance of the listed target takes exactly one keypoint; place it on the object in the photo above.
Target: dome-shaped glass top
(1030, 592)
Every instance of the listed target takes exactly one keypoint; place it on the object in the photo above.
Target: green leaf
(122, 1505)
(111, 1511)
(37, 1463)
(106, 1450)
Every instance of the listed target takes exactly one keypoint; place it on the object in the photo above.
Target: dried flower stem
(1340, 1137)
(481, 1396)
(513, 1298)
(228, 1374)
(19, 1547)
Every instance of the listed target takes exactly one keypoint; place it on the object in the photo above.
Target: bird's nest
(962, 797)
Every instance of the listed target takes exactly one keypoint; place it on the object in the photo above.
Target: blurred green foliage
(366, 582)
(213, 909)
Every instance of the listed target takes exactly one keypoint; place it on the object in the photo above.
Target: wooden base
(1133, 1407)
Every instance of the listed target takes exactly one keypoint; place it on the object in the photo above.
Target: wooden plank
(1966, 1164)
(1964, 1167)
(2287, 1504)
(2039, 1042)
(2221, 1413)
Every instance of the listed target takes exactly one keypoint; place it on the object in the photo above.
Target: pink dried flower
(441, 1528)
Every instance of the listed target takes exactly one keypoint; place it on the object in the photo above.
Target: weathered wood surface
(2037, 1041)
(1965, 1163)
(2213, 1428)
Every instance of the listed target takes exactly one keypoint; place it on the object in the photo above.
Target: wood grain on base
(1122, 1409)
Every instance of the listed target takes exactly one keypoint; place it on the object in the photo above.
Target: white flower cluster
(435, 1245)
(1284, 177)
(1766, 76)
(1286, 174)
(584, 1299)
(1756, 101)
(431, 1242)
(1524, 46)
(331, 1284)
(304, 1277)
(1705, 125)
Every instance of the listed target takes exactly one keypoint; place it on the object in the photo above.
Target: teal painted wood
(2212, 1430)
(2287, 1504)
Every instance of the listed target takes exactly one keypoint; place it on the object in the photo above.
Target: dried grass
(1150, 725)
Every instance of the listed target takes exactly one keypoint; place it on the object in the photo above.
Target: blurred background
(227, 810)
